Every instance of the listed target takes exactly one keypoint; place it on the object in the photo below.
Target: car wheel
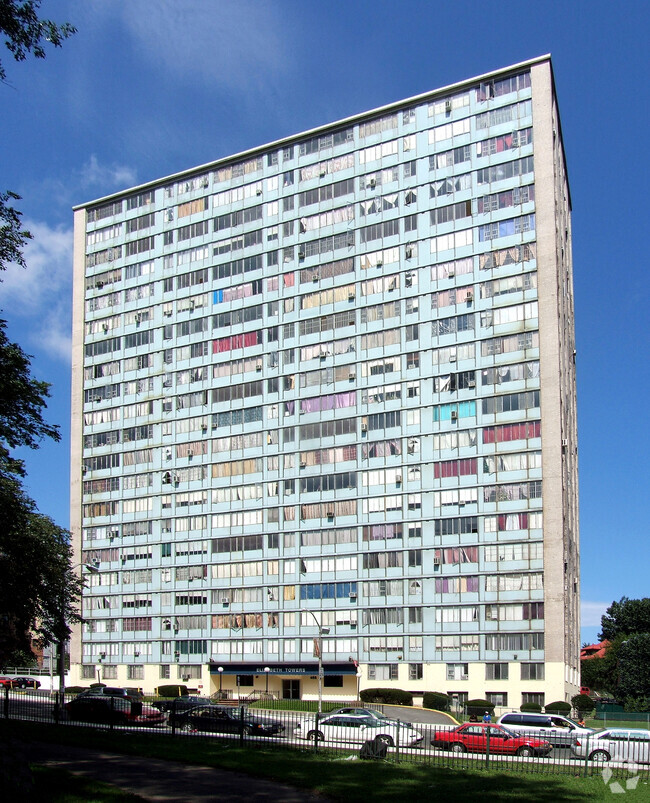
(187, 727)
(457, 747)
(525, 751)
(249, 730)
(600, 755)
(386, 739)
(316, 736)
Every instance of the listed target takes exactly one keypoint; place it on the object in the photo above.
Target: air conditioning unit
(452, 358)
(351, 295)
(258, 192)
(303, 464)
(451, 274)
(398, 479)
(380, 262)
(454, 415)
(372, 183)
(330, 514)
(471, 383)
(448, 107)
(351, 376)
(436, 561)
(99, 285)
(353, 594)
(409, 251)
(258, 367)
(301, 254)
(565, 442)
(469, 298)
(364, 427)
(225, 601)
(323, 172)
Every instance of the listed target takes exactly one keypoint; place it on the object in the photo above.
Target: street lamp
(266, 672)
(220, 671)
(321, 632)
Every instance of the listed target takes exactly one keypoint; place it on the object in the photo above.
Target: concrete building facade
(324, 401)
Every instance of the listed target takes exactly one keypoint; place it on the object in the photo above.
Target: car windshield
(508, 731)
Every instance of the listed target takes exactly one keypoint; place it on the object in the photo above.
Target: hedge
(558, 707)
(531, 708)
(473, 706)
(582, 703)
(436, 700)
(172, 690)
(390, 696)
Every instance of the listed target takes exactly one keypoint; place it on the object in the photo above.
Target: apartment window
(457, 671)
(382, 671)
(164, 672)
(415, 557)
(496, 671)
(88, 672)
(413, 359)
(532, 671)
(536, 697)
(497, 698)
(135, 672)
(415, 672)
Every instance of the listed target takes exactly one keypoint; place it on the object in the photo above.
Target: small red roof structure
(594, 650)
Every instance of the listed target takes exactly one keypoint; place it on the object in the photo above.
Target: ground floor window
(87, 672)
(135, 672)
(499, 698)
(333, 681)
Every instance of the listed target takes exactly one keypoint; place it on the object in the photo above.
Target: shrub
(388, 696)
(582, 703)
(531, 708)
(172, 690)
(436, 700)
(74, 689)
(558, 707)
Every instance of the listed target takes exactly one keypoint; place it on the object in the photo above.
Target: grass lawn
(55, 785)
(334, 776)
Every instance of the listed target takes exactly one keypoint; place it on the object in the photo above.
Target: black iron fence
(366, 733)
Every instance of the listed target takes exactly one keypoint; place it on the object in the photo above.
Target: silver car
(352, 728)
(617, 744)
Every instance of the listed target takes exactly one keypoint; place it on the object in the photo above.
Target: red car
(472, 738)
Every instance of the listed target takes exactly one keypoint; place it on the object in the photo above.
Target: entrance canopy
(250, 668)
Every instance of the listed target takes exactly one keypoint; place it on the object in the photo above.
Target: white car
(617, 744)
(357, 728)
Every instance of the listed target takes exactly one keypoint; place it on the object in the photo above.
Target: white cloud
(592, 612)
(233, 44)
(41, 293)
(114, 176)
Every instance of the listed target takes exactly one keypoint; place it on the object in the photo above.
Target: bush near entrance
(476, 708)
(582, 703)
(531, 708)
(558, 707)
(436, 700)
(388, 696)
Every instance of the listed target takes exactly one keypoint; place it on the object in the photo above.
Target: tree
(634, 667)
(38, 588)
(26, 33)
(626, 617)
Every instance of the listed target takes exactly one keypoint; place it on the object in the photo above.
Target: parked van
(559, 731)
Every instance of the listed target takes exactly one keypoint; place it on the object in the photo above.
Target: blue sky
(147, 88)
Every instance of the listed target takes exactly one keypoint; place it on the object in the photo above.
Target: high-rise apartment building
(324, 399)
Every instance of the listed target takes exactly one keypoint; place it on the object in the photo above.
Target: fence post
(316, 731)
(487, 748)
(587, 757)
(241, 725)
(397, 734)
(6, 703)
(112, 717)
(172, 714)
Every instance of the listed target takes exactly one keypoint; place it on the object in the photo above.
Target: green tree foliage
(25, 33)
(38, 589)
(626, 617)
(634, 667)
(582, 703)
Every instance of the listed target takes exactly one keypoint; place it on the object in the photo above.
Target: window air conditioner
(372, 183)
(351, 376)
(409, 251)
(448, 106)
(565, 442)
(471, 383)
(398, 479)
(303, 464)
(454, 415)
(469, 298)
(258, 367)
(364, 427)
(353, 594)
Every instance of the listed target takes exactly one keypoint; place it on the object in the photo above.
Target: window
(135, 672)
(88, 672)
(532, 671)
(496, 672)
(532, 697)
(457, 671)
(382, 671)
(497, 698)
(415, 672)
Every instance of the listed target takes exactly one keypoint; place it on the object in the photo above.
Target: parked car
(617, 744)
(25, 683)
(175, 707)
(220, 719)
(473, 737)
(560, 731)
(19, 683)
(135, 695)
(357, 728)
(364, 712)
(115, 710)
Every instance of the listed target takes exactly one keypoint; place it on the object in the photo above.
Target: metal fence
(369, 735)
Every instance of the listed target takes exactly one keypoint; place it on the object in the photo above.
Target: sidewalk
(169, 781)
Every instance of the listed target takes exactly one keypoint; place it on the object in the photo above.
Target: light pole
(319, 651)
(266, 672)
(220, 671)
